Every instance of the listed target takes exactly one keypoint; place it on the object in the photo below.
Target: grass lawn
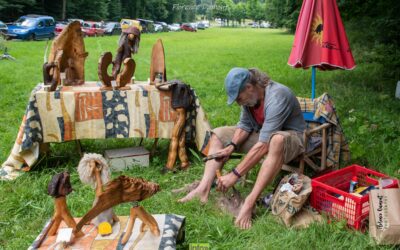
(364, 100)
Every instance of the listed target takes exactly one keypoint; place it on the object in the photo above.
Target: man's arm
(250, 160)
(238, 138)
(254, 156)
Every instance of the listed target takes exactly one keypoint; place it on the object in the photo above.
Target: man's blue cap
(234, 82)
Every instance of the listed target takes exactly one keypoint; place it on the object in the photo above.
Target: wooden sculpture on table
(128, 44)
(181, 101)
(59, 187)
(67, 56)
(93, 170)
(126, 189)
(158, 72)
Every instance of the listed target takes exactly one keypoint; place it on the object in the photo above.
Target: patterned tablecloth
(86, 112)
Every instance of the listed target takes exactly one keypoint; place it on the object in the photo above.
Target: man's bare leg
(203, 189)
(269, 169)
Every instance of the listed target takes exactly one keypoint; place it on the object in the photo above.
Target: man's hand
(223, 155)
(226, 181)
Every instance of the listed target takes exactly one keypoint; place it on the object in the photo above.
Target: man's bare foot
(243, 220)
(196, 193)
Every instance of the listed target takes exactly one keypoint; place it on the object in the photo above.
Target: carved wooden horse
(125, 189)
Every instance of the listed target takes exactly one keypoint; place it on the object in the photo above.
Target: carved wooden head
(59, 185)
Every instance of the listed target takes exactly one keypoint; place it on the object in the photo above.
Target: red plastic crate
(330, 194)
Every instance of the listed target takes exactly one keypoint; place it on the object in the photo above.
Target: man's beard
(251, 103)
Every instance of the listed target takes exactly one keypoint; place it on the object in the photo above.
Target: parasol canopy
(320, 40)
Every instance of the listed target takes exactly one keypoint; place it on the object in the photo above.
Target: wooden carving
(158, 72)
(147, 221)
(59, 187)
(128, 45)
(67, 55)
(177, 144)
(93, 170)
(120, 190)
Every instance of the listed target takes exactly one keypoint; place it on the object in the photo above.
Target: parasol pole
(313, 76)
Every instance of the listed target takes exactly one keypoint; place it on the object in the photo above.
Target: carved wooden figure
(128, 45)
(147, 219)
(120, 190)
(177, 144)
(67, 55)
(59, 187)
(93, 170)
(158, 72)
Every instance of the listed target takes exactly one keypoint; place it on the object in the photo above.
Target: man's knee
(277, 142)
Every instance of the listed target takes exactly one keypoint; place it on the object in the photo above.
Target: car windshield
(25, 22)
(110, 25)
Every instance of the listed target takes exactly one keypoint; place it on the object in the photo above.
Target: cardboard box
(125, 158)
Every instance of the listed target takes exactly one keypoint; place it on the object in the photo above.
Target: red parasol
(320, 40)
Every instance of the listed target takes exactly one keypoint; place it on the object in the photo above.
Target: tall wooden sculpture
(158, 77)
(158, 72)
(125, 189)
(59, 187)
(67, 56)
(93, 170)
(128, 44)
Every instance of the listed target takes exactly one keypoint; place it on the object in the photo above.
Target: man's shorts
(293, 141)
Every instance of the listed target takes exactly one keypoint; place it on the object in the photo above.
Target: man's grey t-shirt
(281, 111)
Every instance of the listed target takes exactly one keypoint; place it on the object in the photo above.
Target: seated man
(271, 122)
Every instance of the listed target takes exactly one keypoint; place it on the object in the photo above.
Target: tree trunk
(64, 8)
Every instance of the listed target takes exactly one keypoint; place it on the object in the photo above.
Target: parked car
(70, 20)
(255, 25)
(90, 28)
(126, 23)
(174, 27)
(189, 27)
(157, 27)
(164, 26)
(147, 25)
(201, 26)
(112, 28)
(59, 27)
(265, 25)
(3, 29)
(32, 27)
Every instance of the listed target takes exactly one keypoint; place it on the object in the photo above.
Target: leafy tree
(239, 12)
(114, 10)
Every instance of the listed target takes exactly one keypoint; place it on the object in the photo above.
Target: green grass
(365, 102)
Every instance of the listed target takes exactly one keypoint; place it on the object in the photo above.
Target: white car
(157, 27)
(265, 25)
(174, 27)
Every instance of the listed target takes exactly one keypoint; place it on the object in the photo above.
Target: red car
(92, 28)
(189, 27)
(59, 27)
